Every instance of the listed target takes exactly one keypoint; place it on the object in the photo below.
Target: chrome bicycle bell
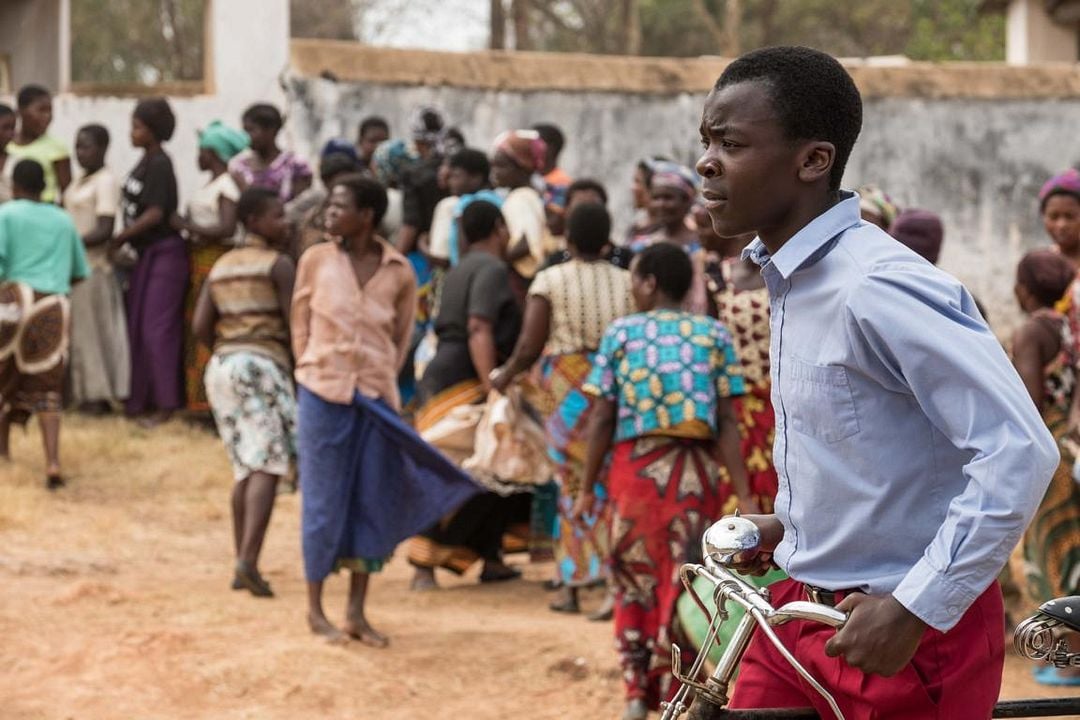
(730, 541)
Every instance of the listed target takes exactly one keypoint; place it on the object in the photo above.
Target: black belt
(825, 597)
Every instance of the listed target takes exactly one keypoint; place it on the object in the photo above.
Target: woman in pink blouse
(368, 480)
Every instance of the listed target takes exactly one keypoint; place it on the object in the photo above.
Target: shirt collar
(390, 254)
(804, 244)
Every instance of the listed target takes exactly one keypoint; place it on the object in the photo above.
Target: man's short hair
(29, 176)
(670, 265)
(474, 162)
(366, 192)
(264, 115)
(813, 95)
(479, 220)
(589, 228)
(586, 185)
(253, 202)
(373, 122)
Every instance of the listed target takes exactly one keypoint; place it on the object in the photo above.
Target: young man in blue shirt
(910, 457)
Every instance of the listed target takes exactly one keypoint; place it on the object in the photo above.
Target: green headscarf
(224, 141)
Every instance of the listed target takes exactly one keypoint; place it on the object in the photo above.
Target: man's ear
(816, 161)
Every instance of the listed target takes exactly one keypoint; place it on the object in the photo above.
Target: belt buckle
(820, 595)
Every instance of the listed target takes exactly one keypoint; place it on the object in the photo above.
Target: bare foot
(148, 422)
(325, 629)
(606, 611)
(423, 580)
(366, 634)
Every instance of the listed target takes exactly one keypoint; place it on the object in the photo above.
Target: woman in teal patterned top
(663, 380)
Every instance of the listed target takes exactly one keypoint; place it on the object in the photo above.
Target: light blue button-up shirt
(909, 454)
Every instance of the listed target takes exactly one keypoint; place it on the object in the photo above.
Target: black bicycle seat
(1064, 609)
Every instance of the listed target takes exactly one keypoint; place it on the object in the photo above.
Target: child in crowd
(33, 142)
(264, 164)
(100, 373)
(7, 134)
(242, 314)
(41, 255)
(662, 380)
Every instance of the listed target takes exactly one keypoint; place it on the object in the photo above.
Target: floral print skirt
(254, 406)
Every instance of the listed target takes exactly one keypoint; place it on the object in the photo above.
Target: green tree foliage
(137, 41)
(921, 29)
(326, 19)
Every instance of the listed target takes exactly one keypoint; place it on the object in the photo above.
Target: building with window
(211, 58)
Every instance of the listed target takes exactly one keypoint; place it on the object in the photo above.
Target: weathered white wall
(978, 163)
(30, 36)
(249, 54)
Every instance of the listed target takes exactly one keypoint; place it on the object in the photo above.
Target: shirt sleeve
(107, 197)
(56, 150)
(300, 168)
(405, 317)
(541, 285)
(300, 312)
(601, 381)
(158, 185)
(228, 189)
(80, 266)
(919, 333)
(728, 369)
(488, 291)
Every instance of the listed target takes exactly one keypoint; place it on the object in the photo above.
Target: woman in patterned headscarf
(517, 156)
(672, 192)
(1059, 205)
(210, 227)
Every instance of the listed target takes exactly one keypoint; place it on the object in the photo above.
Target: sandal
(249, 579)
(1050, 675)
(500, 575)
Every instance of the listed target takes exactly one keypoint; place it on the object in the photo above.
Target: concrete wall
(972, 142)
(979, 163)
(30, 34)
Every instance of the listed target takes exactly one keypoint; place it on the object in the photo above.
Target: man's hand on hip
(880, 636)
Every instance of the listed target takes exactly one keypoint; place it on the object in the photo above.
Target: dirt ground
(114, 603)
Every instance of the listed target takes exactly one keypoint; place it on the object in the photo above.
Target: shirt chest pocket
(818, 400)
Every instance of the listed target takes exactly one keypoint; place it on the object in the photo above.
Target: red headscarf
(525, 147)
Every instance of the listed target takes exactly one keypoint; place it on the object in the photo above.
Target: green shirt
(40, 247)
(46, 151)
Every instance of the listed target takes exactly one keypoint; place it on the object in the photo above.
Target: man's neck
(801, 215)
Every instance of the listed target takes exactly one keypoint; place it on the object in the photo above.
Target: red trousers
(953, 675)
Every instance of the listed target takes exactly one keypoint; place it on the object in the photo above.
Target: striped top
(249, 316)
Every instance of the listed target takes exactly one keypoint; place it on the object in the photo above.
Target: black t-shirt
(151, 184)
(420, 193)
(479, 286)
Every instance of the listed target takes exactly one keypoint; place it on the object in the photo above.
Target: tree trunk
(498, 26)
(733, 27)
(631, 18)
(519, 11)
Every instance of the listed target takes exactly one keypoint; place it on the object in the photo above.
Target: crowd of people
(341, 323)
